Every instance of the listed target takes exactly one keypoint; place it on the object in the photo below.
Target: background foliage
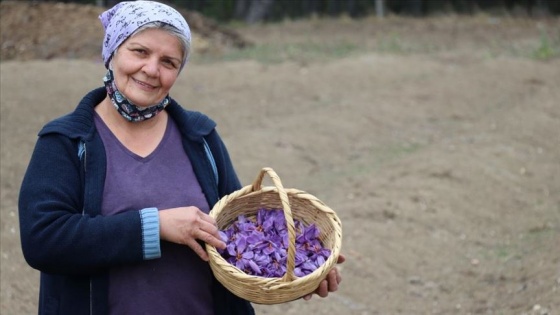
(253, 11)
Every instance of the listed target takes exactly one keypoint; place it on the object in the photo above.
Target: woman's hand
(186, 225)
(331, 282)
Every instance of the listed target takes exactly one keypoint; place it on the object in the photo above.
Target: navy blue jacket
(63, 233)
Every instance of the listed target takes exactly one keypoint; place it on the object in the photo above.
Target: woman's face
(146, 66)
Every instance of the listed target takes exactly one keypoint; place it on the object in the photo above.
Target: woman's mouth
(144, 85)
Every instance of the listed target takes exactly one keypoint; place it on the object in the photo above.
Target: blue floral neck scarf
(126, 108)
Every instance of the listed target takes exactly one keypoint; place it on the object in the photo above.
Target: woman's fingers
(333, 280)
(330, 284)
(341, 259)
(209, 233)
(207, 218)
(198, 249)
(211, 239)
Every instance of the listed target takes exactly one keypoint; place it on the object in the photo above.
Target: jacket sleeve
(56, 236)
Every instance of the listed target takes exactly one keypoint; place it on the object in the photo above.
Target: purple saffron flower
(242, 258)
(258, 246)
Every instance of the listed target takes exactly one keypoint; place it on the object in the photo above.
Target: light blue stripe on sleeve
(150, 233)
(211, 159)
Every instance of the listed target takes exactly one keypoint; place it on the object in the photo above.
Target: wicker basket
(296, 204)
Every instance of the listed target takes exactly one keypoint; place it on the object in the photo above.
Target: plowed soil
(437, 142)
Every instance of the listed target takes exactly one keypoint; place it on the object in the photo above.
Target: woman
(114, 205)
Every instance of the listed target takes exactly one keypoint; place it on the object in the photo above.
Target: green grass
(542, 47)
(297, 52)
(503, 252)
(547, 48)
(536, 239)
(371, 161)
(392, 44)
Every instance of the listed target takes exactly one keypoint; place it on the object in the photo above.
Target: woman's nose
(151, 67)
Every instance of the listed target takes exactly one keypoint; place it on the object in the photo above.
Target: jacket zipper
(82, 154)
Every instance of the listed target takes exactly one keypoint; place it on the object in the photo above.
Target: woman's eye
(170, 63)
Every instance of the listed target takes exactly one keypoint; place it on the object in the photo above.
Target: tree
(253, 11)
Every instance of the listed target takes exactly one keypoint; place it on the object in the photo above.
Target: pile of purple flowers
(259, 246)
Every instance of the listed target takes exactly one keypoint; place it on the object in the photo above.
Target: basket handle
(287, 210)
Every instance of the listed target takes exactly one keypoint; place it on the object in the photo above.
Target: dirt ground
(437, 142)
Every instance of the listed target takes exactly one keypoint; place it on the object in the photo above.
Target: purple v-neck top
(179, 282)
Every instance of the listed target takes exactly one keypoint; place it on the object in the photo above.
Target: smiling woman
(114, 205)
(129, 162)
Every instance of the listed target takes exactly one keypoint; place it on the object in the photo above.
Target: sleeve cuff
(150, 233)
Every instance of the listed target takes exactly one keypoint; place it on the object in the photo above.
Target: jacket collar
(80, 124)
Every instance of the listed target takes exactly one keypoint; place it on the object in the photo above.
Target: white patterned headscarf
(126, 17)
